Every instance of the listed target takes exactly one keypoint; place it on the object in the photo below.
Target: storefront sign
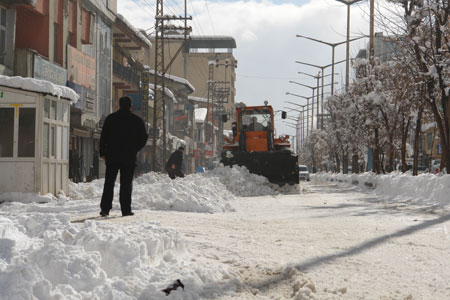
(81, 68)
(46, 70)
(197, 153)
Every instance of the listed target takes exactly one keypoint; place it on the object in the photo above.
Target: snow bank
(44, 256)
(428, 189)
(194, 193)
(242, 183)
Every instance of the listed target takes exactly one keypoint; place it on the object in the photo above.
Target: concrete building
(193, 64)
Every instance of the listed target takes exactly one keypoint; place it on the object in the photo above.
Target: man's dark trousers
(126, 187)
(173, 173)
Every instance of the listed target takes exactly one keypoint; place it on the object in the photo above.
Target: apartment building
(82, 44)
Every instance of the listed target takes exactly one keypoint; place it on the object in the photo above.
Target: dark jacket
(175, 158)
(123, 135)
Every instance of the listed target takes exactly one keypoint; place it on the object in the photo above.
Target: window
(45, 140)
(429, 140)
(47, 109)
(53, 110)
(65, 113)
(59, 109)
(65, 142)
(27, 121)
(6, 132)
(52, 141)
(2, 35)
(86, 27)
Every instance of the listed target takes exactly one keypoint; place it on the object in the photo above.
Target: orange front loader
(254, 146)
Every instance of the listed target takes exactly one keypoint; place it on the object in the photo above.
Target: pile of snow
(193, 193)
(49, 250)
(44, 256)
(427, 188)
(239, 181)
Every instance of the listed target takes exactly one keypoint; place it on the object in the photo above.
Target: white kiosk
(34, 135)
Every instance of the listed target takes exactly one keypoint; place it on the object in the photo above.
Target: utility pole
(372, 33)
(210, 97)
(159, 104)
(221, 95)
(158, 80)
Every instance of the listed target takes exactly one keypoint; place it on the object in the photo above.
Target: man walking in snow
(173, 165)
(123, 135)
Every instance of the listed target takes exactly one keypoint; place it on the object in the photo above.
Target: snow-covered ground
(227, 234)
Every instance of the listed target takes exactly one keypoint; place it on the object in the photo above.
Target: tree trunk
(344, 162)
(376, 153)
(404, 129)
(338, 163)
(355, 163)
(417, 141)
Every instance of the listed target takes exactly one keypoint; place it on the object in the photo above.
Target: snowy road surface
(230, 235)
(328, 242)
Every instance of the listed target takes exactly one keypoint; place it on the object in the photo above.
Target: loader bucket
(279, 167)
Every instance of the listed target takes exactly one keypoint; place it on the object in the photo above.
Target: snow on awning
(198, 99)
(200, 114)
(167, 91)
(39, 85)
(174, 78)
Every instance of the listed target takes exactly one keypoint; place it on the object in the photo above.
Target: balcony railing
(127, 74)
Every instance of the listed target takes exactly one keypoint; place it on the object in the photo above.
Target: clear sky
(267, 47)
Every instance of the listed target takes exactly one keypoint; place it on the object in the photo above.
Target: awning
(81, 133)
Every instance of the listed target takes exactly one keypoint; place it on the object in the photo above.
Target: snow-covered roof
(174, 78)
(39, 85)
(198, 99)
(200, 114)
(136, 31)
(168, 91)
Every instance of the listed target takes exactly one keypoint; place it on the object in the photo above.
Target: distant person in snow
(173, 165)
(123, 135)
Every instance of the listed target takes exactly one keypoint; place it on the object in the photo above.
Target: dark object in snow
(173, 287)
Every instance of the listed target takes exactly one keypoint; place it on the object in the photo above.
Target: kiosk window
(47, 108)
(27, 121)
(60, 111)
(6, 132)
(45, 137)
(65, 141)
(65, 113)
(53, 110)
(52, 140)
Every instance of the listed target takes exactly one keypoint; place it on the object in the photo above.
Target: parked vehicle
(303, 172)
(435, 166)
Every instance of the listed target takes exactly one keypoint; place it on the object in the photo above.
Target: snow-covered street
(318, 240)
(340, 244)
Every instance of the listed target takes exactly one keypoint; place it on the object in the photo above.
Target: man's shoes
(128, 214)
(104, 213)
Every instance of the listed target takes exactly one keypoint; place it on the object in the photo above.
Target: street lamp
(300, 121)
(322, 68)
(334, 45)
(323, 76)
(347, 68)
(307, 105)
(313, 88)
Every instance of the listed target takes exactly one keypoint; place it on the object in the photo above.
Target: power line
(209, 15)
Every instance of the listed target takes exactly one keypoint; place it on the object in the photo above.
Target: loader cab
(255, 120)
(255, 128)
